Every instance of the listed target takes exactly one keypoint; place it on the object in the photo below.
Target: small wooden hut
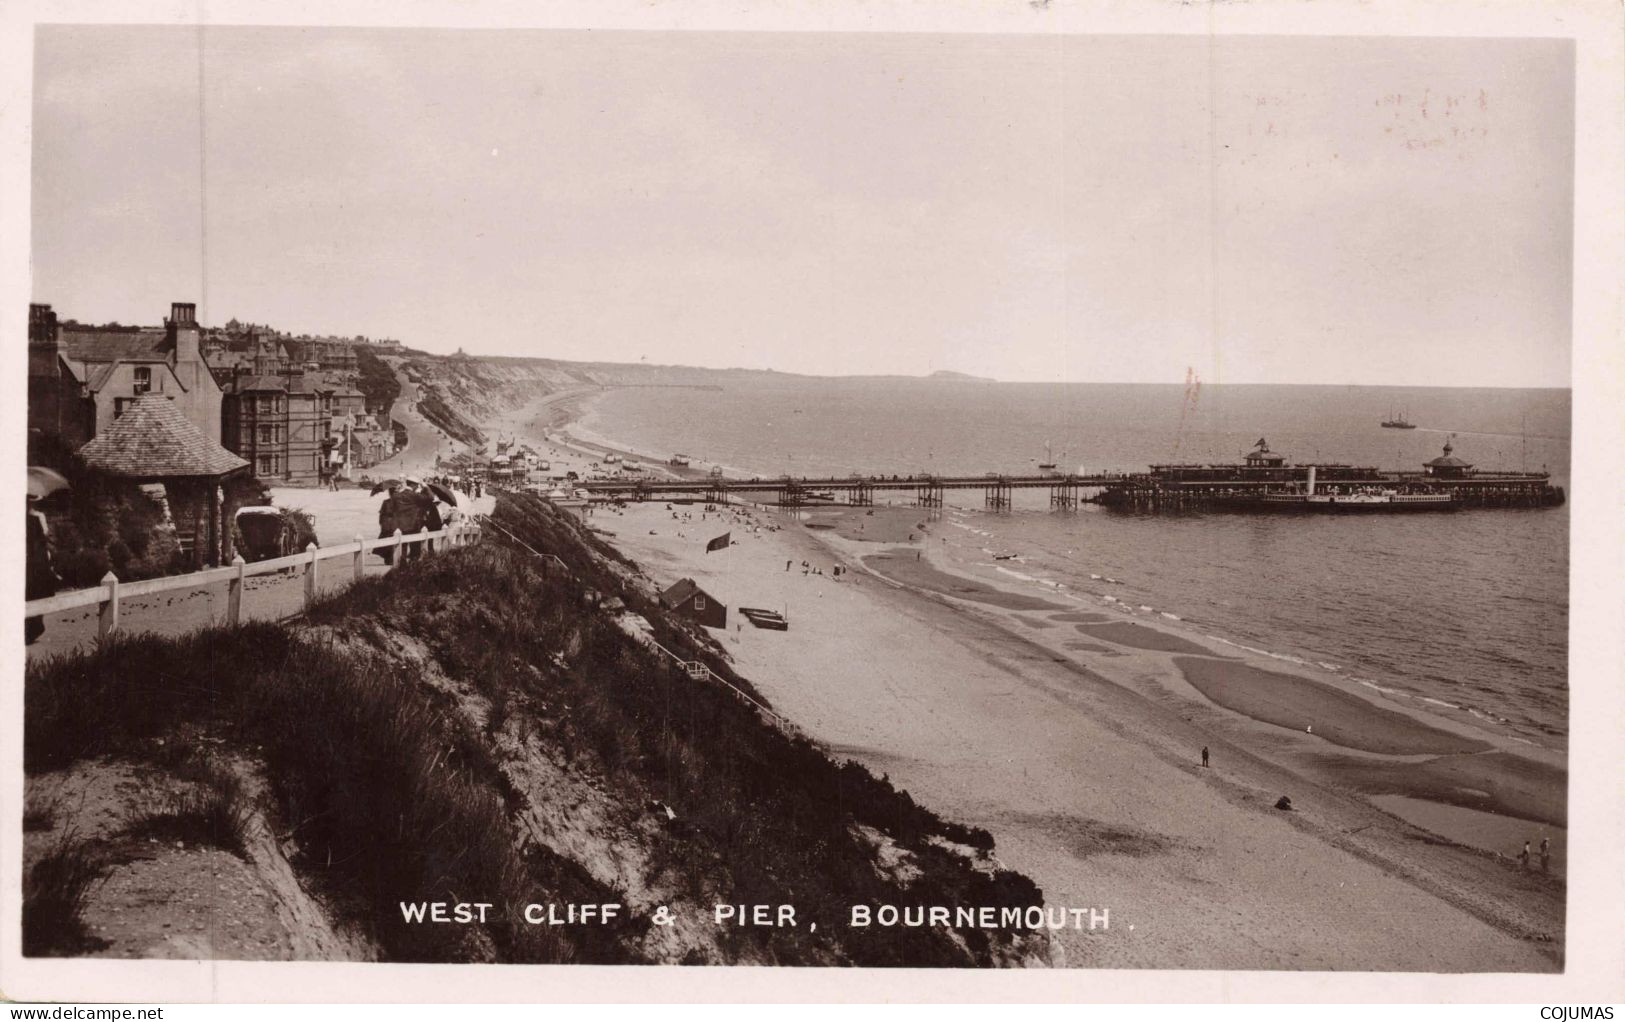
(688, 599)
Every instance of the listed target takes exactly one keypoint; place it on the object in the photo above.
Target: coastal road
(424, 440)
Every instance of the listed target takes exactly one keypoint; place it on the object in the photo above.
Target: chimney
(183, 332)
(41, 324)
(43, 336)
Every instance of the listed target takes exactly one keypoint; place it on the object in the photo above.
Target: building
(152, 442)
(1448, 466)
(688, 599)
(327, 353)
(281, 424)
(80, 380)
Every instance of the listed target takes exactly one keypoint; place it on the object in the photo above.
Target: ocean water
(1465, 612)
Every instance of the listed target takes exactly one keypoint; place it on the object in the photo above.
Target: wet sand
(1304, 705)
(1127, 633)
(902, 565)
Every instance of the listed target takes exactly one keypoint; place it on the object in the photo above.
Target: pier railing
(108, 596)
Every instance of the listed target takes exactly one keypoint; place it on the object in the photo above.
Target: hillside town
(157, 438)
(289, 406)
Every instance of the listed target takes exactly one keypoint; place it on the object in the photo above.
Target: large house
(81, 380)
(282, 425)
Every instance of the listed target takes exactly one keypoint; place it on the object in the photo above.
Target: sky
(1392, 211)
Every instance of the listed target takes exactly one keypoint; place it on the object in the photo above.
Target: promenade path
(339, 517)
(424, 440)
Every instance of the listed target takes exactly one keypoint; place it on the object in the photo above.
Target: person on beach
(1545, 855)
(1523, 856)
(1204, 755)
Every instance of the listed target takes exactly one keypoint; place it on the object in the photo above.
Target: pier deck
(1138, 491)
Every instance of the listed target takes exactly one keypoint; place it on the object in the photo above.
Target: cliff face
(457, 393)
(472, 728)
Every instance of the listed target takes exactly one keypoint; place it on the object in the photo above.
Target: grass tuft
(55, 889)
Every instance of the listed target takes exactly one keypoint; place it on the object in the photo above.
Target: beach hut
(153, 442)
(688, 599)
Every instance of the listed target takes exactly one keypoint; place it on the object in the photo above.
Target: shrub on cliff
(385, 797)
(376, 381)
(768, 817)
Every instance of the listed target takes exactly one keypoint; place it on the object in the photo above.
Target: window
(143, 380)
(267, 464)
(267, 434)
(699, 602)
(119, 404)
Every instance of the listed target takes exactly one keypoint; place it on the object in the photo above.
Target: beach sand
(1082, 757)
(1092, 784)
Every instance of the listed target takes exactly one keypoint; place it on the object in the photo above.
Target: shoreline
(1430, 804)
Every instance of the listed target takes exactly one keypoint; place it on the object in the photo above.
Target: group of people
(409, 508)
(807, 568)
(1545, 855)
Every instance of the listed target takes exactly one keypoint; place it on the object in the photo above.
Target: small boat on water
(1397, 421)
(1048, 464)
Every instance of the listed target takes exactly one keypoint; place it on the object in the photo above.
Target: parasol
(42, 482)
(385, 484)
(442, 494)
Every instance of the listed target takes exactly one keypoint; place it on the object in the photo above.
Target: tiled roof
(679, 593)
(244, 384)
(113, 345)
(299, 383)
(153, 440)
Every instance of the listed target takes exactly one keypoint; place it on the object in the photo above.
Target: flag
(720, 543)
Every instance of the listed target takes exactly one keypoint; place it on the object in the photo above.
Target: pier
(1163, 488)
(997, 490)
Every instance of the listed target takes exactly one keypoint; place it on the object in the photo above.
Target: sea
(1464, 613)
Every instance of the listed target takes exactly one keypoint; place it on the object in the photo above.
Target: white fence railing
(111, 592)
(550, 562)
(699, 670)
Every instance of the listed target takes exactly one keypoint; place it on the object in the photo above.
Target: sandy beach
(1074, 734)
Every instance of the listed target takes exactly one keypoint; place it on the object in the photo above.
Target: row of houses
(289, 409)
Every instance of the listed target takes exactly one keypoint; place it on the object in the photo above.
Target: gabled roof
(680, 593)
(153, 440)
(98, 373)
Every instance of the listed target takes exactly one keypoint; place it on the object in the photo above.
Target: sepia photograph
(955, 500)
